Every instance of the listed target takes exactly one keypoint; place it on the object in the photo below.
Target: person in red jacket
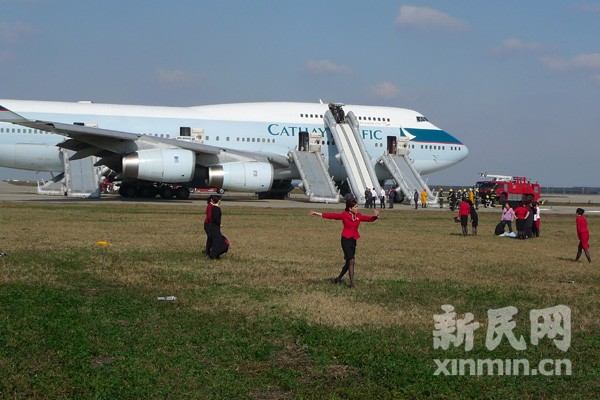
(583, 234)
(521, 214)
(351, 220)
(464, 210)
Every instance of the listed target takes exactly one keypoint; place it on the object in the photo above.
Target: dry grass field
(80, 320)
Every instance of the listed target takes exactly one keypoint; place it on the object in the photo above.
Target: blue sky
(517, 81)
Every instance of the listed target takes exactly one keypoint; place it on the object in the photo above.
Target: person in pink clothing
(351, 220)
(464, 210)
(508, 215)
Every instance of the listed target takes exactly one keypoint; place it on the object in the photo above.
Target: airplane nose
(465, 153)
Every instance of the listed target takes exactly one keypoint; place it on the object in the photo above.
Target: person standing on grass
(583, 234)
(382, 196)
(474, 217)
(521, 214)
(536, 219)
(391, 196)
(351, 220)
(207, 220)
(507, 216)
(367, 198)
(416, 199)
(464, 210)
(424, 198)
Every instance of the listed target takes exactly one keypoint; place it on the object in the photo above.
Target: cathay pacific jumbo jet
(250, 147)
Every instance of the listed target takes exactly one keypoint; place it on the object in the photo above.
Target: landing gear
(279, 190)
(127, 190)
(166, 192)
(148, 191)
(182, 193)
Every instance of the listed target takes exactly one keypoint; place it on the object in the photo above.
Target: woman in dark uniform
(351, 219)
(219, 245)
(207, 219)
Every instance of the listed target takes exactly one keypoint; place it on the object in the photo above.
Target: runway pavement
(557, 204)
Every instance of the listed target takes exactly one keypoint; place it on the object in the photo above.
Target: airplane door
(303, 141)
(392, 145)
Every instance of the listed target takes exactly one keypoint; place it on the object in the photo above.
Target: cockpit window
(421, 119)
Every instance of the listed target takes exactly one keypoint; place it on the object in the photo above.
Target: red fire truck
(502, 188)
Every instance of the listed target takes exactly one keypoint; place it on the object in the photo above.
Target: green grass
(78, 320)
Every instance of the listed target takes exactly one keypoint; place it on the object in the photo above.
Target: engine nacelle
(31, 157)
(160, 165)
(242, 176)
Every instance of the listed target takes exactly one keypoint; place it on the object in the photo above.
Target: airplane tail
(9, 116)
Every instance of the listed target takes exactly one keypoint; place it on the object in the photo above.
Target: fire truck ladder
(316, 182)
(353, 154)
(405, 174)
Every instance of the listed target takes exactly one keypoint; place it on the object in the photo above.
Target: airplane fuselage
(270, 128)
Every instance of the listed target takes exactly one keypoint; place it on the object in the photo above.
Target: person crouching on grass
(583, 234)
(351, 219)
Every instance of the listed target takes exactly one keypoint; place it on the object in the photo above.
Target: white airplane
(244, 147)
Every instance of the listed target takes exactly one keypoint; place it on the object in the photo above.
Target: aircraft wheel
(182, 193)
(127, 190)
(166, 192)
(146, 191)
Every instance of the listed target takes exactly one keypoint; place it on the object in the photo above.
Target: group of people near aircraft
(371, 197)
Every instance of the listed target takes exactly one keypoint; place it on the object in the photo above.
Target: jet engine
(160, 165)
(31, 157)
(251, 176)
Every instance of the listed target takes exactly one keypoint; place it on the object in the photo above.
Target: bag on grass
(499, 229)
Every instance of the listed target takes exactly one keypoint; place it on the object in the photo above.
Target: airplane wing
(111, 145)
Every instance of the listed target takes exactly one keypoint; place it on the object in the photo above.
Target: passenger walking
(351, 220)
(583, 234)
(416, 199)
